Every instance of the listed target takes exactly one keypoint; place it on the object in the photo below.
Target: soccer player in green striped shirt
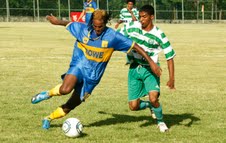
(128, 14)
(141, 80)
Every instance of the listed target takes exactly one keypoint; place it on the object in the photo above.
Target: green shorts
(141, 80)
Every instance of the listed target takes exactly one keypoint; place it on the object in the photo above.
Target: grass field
(34, 55)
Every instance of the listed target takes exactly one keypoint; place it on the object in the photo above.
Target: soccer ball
(72, 127)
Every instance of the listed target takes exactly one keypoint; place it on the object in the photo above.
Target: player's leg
(81, 92)
(152, 85)
(60, 89)
(139, 85)
(136, 89)
(63, 110)
(157, 108)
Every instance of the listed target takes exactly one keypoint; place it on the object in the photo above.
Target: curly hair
(133, 1)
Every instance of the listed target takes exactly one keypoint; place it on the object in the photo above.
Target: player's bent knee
(133, 106)
(65, 90)
(153, 98)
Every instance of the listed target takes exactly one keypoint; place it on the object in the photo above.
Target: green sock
(144, 105)
(158, 113)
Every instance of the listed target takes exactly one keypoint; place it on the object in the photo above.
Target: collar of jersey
(92, 30)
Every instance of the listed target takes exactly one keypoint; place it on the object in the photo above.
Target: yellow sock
(58, 113)
(55, 91)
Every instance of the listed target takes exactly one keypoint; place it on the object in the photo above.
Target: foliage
(170, 7)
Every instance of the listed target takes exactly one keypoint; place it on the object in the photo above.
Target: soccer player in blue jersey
(93, 48)
(88, 8)
(141, 80)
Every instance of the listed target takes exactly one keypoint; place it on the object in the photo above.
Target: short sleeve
(122, 43)
(121, 16)
(74, 28)
(166, 46)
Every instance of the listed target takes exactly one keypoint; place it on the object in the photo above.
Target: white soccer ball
(72, 127)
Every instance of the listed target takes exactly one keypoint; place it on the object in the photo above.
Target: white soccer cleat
(153, 114)
(162, 127)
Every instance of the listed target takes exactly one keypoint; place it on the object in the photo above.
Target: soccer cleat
(162, 127)
(46, 123)
(153, 114)
(40, 97)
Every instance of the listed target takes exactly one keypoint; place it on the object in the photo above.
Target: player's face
(98, 26)
(130, 5)
(145, 19)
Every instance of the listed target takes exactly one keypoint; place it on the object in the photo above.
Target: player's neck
(89, 2)
(148, 28)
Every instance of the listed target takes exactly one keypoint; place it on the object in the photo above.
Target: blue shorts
(83, 87)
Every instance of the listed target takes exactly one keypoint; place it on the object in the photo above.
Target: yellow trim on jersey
(96, 54)
(130, 48)
(90, 10)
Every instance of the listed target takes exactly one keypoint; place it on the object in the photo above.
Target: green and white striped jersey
(126, 16)
(153, 42)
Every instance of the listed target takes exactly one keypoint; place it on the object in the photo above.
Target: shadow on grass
(186, 119)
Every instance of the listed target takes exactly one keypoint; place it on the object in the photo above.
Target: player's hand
(170, 84)
(52, 19)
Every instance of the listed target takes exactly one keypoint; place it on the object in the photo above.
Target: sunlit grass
(34, 55)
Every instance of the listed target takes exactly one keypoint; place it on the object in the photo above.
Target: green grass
(34, 55)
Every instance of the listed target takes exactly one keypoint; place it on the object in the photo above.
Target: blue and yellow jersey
(89, 9)
(92, 54)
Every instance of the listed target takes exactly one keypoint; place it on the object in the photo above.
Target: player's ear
(152, 17)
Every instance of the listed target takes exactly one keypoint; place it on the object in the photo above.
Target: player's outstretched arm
(81, 15)
(53, 20)
(154, 67)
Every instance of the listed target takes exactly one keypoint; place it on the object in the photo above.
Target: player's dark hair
(133, 1)
(147, 8)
